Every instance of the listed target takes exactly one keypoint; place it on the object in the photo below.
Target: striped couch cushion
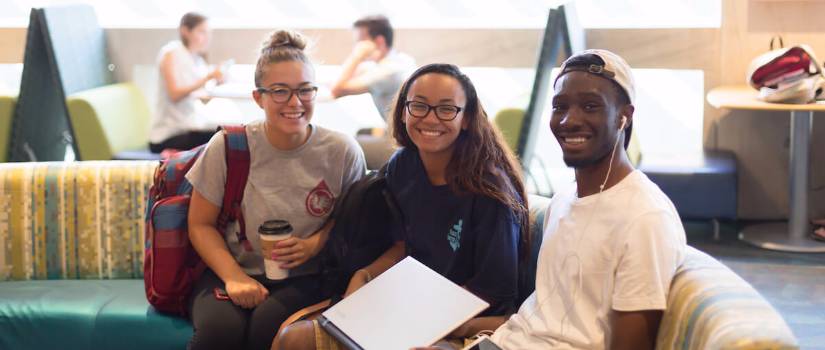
(710, 307)
(73, 220)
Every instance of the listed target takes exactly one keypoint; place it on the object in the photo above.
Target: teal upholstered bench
(85, 314)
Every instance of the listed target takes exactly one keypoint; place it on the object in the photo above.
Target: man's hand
(363, 49)
(439, 346)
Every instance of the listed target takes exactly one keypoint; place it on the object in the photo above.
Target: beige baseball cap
(615, 68)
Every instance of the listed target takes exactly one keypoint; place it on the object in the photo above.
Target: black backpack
(361, 233)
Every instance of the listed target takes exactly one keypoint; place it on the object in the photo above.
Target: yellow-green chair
(509, 122)
(110, 122)
(7, 104)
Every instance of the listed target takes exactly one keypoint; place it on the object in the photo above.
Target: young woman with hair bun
(297, 170)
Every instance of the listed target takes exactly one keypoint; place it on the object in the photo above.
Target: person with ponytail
(297, 170)
(183, 74)
(462, 199)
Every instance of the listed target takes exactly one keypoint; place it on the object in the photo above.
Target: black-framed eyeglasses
(282, 94)
(442, 112)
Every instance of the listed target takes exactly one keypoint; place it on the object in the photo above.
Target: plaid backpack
(170, 264)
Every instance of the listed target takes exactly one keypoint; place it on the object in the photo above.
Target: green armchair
(110, 121)
(7, 104)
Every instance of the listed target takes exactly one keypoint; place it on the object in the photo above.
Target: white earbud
(624, 122)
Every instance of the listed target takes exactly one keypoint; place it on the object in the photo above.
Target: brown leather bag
(306, 314)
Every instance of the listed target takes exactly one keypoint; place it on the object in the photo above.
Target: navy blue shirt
(471, 239)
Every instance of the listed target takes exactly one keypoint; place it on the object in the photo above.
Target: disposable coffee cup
(271, 232)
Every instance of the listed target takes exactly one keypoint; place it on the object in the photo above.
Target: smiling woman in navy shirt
(458, 187)
(461, 197)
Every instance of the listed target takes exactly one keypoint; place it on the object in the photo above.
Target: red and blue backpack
(170, 264)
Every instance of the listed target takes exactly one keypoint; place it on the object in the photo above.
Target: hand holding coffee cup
(271, 233)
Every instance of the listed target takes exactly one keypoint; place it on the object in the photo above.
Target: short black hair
(586, 60)
(376, 25)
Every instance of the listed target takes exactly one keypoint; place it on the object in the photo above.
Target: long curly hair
(481, 162)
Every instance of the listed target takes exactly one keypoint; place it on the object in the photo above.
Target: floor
(793, 283)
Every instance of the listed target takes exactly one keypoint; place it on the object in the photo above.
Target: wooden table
(793, 235)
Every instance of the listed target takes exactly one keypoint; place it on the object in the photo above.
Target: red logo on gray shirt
(320, 200)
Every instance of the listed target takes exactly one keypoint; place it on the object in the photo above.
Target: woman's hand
(293, 251)
(246, 292)
(358, 280)
(216, 74)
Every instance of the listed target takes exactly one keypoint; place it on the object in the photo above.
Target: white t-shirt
(617, 250)
(176, 118)
(384, 78)
(300, 186)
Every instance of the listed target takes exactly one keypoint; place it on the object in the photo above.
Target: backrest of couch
(73, 220)
(108, 120)
(710, 307)
(538, 207)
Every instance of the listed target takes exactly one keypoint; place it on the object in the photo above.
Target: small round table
(793, 235)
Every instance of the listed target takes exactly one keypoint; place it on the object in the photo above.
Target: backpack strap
(237, 172)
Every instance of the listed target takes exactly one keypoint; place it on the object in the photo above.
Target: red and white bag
(787, 75)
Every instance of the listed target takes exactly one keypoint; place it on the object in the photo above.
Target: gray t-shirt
(299, 186)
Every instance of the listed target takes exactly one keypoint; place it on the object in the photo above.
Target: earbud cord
(575, 253)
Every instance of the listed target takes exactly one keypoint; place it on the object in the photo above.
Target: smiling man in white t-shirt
(612, 242)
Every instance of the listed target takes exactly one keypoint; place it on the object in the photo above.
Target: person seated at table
(374, 66)
(183, 75)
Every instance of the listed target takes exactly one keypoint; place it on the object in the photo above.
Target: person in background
(183, 75)
(374, 66)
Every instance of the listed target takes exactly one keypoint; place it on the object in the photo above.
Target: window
(404, 14)
(650, 13)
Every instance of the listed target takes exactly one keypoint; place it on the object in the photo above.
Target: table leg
(793, 236)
